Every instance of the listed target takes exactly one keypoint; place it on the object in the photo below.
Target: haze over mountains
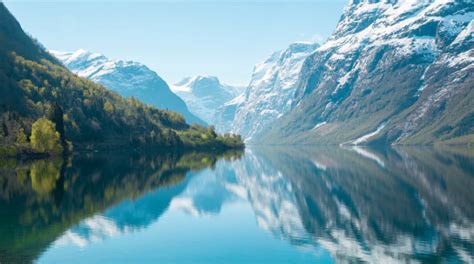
(205, 94)
(128, 78)
(196, 98)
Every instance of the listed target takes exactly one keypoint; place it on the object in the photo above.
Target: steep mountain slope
(128, 78)
(225, 114)
(204, 94)
(393, 72)
(270, 92)
(33, 85)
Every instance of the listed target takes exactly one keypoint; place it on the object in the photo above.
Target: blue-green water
(266, 205)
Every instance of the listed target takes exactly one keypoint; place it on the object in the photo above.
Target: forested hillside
(128, 79)
(35, 87)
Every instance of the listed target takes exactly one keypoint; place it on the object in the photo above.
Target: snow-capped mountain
(205, 94)
(128, 78)
(270, 92)
(225, 114)
(393, 71)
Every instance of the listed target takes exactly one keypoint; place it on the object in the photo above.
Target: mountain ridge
(128, 78)
(270, 92)
(43, 105)
(403, 67)
(204, 94)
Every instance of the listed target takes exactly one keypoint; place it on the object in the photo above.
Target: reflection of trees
(44, 174)
(381, 205)
(39, 200)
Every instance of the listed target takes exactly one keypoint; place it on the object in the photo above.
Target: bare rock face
(393, 72)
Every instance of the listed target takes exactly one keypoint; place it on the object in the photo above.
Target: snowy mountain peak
(271, 90)
(95, 65)
(79, 58)
(83, 54)
(128, 78)
(198, 82)
(377, 18)
(204, 94)
(415, 54)
(288, 57)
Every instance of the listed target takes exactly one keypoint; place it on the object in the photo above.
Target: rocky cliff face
(128, 78)
(204, 95)
(270, 92)
(392, 72)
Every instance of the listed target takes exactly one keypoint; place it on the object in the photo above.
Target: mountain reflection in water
(391, 205)
(326, 204)
(40, 200)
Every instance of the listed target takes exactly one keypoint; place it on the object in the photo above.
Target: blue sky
(180, 38)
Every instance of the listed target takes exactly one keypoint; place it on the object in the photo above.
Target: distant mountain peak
(94, 65)
(129, 78)
(204, 94)
(198, 81)
(270, 92)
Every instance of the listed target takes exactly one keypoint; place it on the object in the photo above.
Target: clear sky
(180, 38)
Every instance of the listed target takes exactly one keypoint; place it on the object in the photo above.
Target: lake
(262, 205)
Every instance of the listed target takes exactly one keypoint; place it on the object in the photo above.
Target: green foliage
(44, 137)
(21, 137)
(232, 140)
(95, 114)
(201, 137)
(108, 107)
(44, 199)
(8, 151)
(87, 114)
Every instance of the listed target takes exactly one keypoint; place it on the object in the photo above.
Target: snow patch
(368, 136)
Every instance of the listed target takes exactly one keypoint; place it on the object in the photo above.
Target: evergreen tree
(212, 131)
(21, 137)
(5, 129)
(56, 115)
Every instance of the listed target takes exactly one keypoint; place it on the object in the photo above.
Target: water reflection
(390, 205)
(41, 200)
(356, 204)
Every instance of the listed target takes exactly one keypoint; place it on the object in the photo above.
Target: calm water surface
(267, 205)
